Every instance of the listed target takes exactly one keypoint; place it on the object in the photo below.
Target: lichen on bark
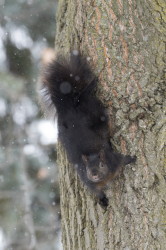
(125, 41)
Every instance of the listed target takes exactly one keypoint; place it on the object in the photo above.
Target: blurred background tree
(29, 196)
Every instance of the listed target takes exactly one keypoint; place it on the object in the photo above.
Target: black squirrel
(68, 84)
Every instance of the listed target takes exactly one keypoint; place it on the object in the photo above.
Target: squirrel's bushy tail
(66, 79)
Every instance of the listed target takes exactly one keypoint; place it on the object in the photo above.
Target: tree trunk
(125, 42)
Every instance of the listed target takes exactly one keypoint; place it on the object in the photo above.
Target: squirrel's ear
(85, 159)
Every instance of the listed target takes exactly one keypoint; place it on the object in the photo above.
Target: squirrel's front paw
(103, 201)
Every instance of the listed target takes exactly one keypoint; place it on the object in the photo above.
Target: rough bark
(126, 43)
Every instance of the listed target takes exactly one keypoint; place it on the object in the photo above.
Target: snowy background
(29, 194)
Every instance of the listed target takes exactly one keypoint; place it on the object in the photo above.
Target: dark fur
(82, 122)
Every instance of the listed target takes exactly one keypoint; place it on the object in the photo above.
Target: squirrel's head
(96, 167)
